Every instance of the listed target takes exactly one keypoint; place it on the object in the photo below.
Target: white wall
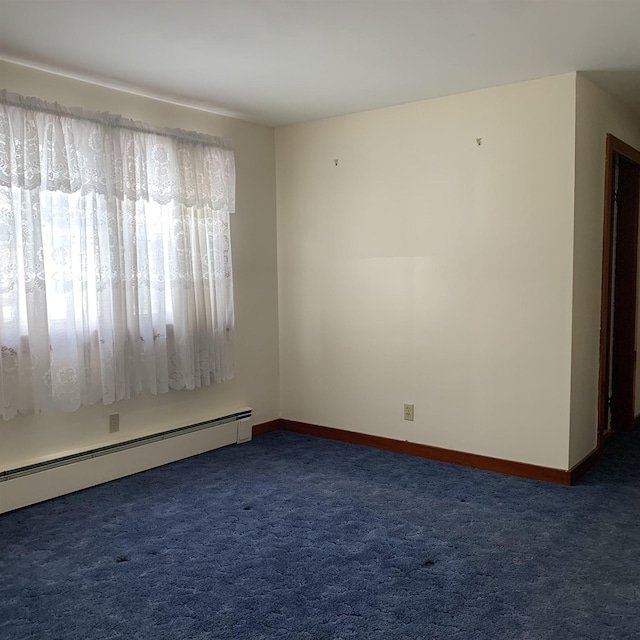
(425, 268)
(422, 268)
(27, 439)
(597, 114)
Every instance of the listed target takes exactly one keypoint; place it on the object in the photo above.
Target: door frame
(615, 147)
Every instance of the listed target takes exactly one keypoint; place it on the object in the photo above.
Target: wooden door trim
(615, 146)
(622, 148)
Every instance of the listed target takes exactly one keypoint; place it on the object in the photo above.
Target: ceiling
(285, 61)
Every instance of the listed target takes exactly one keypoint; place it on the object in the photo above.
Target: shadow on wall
(618, 82)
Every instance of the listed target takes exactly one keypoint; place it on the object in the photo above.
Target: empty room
(319, 319)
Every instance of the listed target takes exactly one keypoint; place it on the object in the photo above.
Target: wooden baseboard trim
(578, 470)
(476, 461)
(266, 427)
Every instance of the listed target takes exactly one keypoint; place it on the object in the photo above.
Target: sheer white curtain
(115, 258)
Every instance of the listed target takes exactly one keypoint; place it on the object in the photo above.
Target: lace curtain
(115, 258)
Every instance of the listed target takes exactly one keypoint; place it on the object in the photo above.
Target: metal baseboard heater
(243, 435)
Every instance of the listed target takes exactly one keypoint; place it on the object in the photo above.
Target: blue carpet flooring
(300, 538)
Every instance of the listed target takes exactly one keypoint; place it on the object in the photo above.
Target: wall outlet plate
(114, 422)
(408, 412)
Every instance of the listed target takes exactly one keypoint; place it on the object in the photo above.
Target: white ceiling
(285, 61)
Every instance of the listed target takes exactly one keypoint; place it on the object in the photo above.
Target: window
(115, 258)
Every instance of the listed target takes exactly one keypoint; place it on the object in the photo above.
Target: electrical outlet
(114, 422)
(408, 412)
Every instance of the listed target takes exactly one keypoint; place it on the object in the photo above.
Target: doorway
(618, 362)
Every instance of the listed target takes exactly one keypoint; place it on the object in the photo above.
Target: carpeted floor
(295, 537)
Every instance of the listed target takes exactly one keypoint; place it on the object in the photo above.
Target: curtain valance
(44, 146)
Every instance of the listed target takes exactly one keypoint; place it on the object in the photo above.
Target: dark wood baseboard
(266, 427)
(476, 461)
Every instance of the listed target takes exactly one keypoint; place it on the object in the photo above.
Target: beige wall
(597, 114)
(423, 268)
(427, 269)
(25, 439)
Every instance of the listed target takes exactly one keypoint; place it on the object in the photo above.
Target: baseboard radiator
(25, 485)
